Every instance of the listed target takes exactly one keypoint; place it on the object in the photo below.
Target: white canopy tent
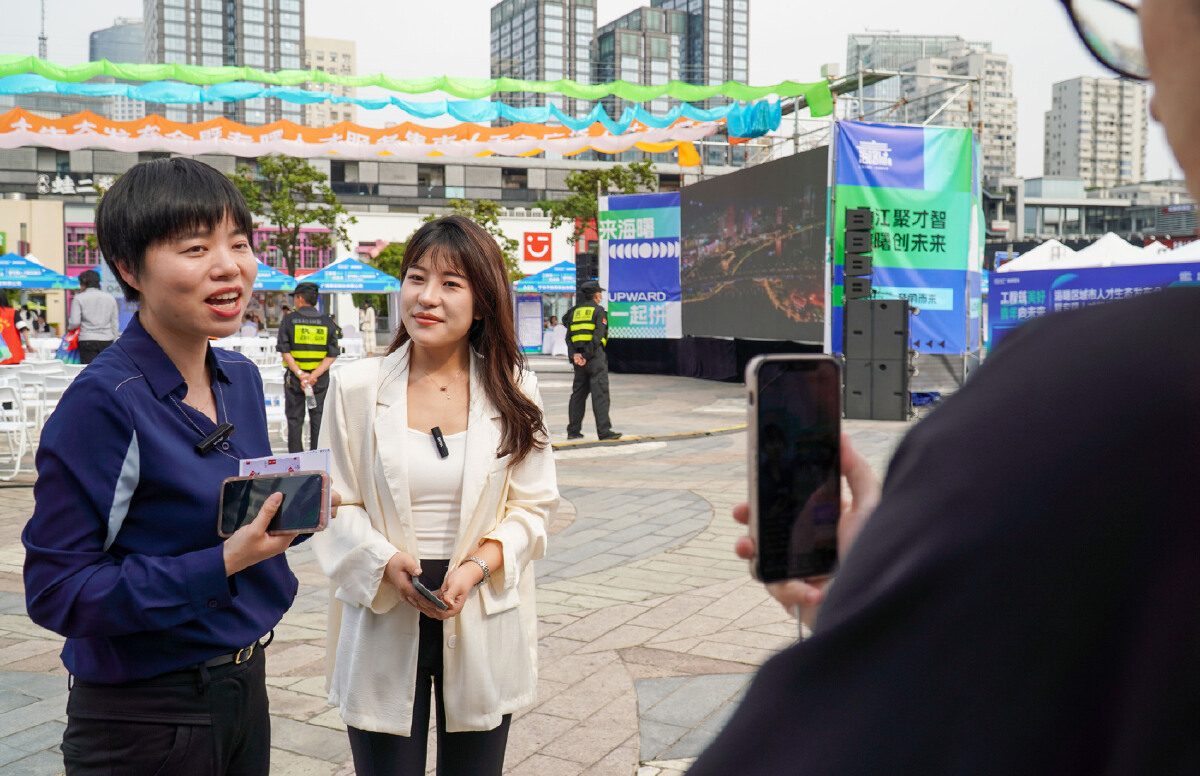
(1108, 251)
(1048, 255)
(1186, 252)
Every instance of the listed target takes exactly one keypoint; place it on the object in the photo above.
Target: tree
(290, 193)
(486, 213)
(587, 186)
(388, 260)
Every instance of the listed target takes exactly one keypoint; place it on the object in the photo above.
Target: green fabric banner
(817, 94)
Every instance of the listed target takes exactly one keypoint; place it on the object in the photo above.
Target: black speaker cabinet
(876, 329)
(876, 349)
(877, 389)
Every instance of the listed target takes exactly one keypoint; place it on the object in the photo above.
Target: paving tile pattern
(649, 626)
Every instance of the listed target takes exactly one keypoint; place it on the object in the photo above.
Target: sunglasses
(1112, 31)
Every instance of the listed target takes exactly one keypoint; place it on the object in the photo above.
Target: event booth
(536, 298)
(1035, 284)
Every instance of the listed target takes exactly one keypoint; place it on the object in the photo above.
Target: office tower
(984, 103)
(717, 48)
(891, 52)
(264, 34)
(646, 46)
(1096, 131)
(338, 57)
(543, 40)
(122, 43)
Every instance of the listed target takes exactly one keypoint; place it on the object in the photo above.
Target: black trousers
(592, 378)
(294, 409)
(210, 722)
(89, 349)
(471, 753)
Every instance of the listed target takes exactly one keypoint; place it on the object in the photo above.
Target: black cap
(590, 287)
(306, 288)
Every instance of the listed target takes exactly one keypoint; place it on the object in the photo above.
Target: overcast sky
(789, 39)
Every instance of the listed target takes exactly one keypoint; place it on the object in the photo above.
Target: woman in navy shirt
(162, 617)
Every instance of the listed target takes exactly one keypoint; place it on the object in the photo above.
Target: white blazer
(490, 648)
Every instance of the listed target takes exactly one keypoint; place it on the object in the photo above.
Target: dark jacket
(1023, 599)
(587, 329)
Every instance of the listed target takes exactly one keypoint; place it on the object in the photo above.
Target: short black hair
(159, 200)
(89, 278)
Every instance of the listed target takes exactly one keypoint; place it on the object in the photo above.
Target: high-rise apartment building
(338, 57)
(1096, 131)
(265, 34)
(543, 40)
(985, 102)
(122, 42)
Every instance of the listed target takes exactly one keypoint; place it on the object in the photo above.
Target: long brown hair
(464, 246)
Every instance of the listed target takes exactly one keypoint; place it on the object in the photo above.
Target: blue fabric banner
(1017, 297)
(743, 120)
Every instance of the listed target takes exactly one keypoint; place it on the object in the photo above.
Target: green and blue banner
(639, 265)
(1017, 297)
(922, 185)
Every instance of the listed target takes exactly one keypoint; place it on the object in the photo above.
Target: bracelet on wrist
(483, 565)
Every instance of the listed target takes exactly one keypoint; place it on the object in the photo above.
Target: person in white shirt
(96, 315)
(441, 451)
(366, 324)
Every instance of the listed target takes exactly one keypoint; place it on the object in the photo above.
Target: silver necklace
(443, 388)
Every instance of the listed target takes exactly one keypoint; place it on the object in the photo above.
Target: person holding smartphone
(162, 617)
(441, 453)
(1020, 597)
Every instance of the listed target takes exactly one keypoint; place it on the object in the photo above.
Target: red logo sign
(537, 246)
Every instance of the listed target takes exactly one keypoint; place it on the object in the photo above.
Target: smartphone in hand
(795, 465)
(433, 599)
(305, 507)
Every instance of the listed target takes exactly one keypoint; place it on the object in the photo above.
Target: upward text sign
(639, 265)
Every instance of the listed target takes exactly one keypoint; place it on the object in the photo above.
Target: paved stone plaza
(650, 626)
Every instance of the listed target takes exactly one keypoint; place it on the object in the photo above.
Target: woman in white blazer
(442, 459)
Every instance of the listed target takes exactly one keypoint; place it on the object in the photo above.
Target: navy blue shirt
(122, 552)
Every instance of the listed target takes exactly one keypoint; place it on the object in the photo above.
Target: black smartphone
(439, 603)
(795, 465)
(305, 507)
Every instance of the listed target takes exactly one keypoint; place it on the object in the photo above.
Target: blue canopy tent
(271, 279)
(558, 279)
(350, 275)
(20, 272)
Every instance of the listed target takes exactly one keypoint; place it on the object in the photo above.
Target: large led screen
(753, 252)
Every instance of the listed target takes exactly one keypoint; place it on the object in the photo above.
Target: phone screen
(303, 500)
(798, 420)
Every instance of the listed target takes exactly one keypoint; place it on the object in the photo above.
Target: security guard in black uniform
(308, 341)
(587, 334)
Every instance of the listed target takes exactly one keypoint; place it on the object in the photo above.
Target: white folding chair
(273, 399)
(52, 367)
(55, 386)
(14, 427)
(33, 395)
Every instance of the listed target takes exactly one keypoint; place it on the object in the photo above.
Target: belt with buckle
(237, 658)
